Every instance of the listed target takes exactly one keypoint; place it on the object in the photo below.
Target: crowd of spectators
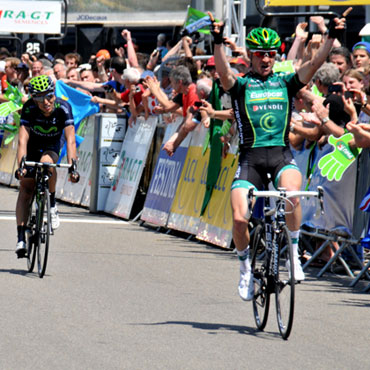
(176, 75)
(177, 79)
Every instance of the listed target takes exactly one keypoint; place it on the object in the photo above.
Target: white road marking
(77, 220)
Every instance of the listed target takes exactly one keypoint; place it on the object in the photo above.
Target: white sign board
(130, 167)
(113, 129)
(30, 16)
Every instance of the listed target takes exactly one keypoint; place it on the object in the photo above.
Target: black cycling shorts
(256, 164)
(34, 155)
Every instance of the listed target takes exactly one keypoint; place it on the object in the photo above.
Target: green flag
(215, 156)
(193, 16)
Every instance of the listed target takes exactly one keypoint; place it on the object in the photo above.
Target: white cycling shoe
(55, 222)
(246, 287)
(298, 271)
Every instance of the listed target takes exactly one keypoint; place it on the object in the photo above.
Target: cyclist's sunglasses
(262, 54)
(41, 98)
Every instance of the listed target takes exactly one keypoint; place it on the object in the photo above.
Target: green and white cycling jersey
(263, 107)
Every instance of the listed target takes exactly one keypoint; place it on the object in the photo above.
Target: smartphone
(335, 89)
(348, 94)
(198, 104)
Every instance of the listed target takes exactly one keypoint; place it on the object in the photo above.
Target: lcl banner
(30, 16)
(315, 2)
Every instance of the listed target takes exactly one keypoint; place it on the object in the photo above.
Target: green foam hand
(12, 129)
(7, 108)
(334, 164)
(13, 95)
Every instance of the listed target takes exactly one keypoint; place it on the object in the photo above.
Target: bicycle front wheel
(30, 239)
(261, 299)
(284, 288)
(44, 231)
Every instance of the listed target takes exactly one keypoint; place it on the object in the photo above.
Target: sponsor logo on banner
(30, 16)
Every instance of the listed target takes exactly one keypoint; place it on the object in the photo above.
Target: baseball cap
(211, 62)
(238, 61)
(103, 52)
(362, 45)
(22, 66)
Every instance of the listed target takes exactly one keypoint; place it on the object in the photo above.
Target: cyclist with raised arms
(262, 103)
(44, 118)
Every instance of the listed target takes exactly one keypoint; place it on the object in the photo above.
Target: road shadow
(15, 272)
(216, 328)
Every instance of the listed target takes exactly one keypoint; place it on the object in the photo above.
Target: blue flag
(81, 107)
(81, 103)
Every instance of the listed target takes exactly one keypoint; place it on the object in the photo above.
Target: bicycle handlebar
(284, 194)
(46, 164)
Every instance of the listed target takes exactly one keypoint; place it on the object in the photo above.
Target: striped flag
(365, 204)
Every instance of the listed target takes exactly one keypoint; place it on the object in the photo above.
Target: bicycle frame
(276, 273)
(40, 223)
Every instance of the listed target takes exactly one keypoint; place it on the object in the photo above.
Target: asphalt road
(118, 295)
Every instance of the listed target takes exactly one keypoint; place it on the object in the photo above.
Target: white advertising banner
(30, 16)
(112, 134)
(73, 192)
(130, 167)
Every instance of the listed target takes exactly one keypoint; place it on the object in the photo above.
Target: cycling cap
(362, 45)
(262, 39)
(40, 84)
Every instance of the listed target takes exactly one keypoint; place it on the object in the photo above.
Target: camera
(198, 104)
(348, 94)
(335, 89)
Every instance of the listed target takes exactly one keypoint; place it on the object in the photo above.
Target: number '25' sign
(33, 46)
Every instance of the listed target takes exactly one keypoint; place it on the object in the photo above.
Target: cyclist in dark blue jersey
(44, 118)
(262, 103)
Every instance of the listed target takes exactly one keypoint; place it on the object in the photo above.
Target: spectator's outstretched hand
(300, 30)
(349, 107)
(120, 52)
(361, 133)
(337, 26)
(126, 34)
(169, 147)
(152, 83)
(207, 108)
(217, 30)
(320, 22)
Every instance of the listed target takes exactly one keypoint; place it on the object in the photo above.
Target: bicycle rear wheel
(44, 231)
(284, 288)
(261, 299)
(30, 238)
